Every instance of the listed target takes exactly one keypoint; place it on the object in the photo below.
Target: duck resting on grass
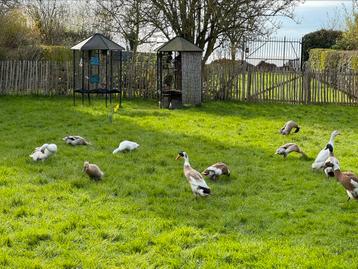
(216, 170)
(287, 128)
(325, 153)
(286, 149)
(75, 140)
(43, 152)
(348, 179)
(92, 170)
(195, 179)
(126, 146)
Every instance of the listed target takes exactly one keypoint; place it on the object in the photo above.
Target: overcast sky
(313, 15)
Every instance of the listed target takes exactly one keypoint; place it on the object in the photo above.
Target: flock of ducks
(92, 170)
(325, 161)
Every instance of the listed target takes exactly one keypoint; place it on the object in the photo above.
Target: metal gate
(273, 53)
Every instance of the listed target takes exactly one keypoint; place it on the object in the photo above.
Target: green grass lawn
(272, 212)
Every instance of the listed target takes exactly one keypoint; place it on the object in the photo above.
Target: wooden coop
(179, 74)
(97, 68)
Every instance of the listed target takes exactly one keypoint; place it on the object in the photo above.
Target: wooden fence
(235, 82)
(220, 82)
(33, 77)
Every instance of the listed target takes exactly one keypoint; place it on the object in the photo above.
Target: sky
(312, 15)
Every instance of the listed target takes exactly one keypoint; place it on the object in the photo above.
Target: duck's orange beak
(178, 157)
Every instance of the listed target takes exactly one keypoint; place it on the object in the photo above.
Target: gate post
(306, 85)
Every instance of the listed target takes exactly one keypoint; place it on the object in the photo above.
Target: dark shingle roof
(97, 42)
(179, 44)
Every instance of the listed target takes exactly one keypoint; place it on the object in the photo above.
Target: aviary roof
(179, 44)
(97, 42)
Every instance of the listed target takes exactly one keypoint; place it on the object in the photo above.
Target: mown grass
(272, 212)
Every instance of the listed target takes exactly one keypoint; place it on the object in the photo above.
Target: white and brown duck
(286, 149)
(348, 179)
(195, 179)
(93, 171)
(75, 140)
(216, 170)
(287, 128)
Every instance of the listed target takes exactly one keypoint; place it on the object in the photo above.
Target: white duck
(126, 146)
(75, 140)
(195, 179)
(43, 152)
(325, 153)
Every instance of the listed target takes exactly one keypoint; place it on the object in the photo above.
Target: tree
(208, 22)
(323, 39)
(14, 31)
(17, 39)
(349, 39)
(6, 5)
(126, 17)
(49, 17)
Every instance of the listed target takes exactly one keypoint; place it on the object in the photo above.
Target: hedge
(56, 53)
(333, 60)
(45, 53)
(323, 39)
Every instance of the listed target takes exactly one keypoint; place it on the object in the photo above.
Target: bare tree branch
(208, 22)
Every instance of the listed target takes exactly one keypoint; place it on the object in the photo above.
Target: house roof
(97, 42)
(179, 44)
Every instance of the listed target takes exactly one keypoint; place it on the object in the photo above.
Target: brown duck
(348, 179)
(287, 128)
(92, 170)
(286, 149)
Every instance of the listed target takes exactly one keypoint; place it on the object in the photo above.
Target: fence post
(249, 77)
(307, 76)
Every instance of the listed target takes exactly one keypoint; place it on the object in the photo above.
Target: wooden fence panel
(220, 82)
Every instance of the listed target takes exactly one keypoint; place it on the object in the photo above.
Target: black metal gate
(273, 53)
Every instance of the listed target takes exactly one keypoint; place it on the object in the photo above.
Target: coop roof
(97, 42)
(179, 44)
